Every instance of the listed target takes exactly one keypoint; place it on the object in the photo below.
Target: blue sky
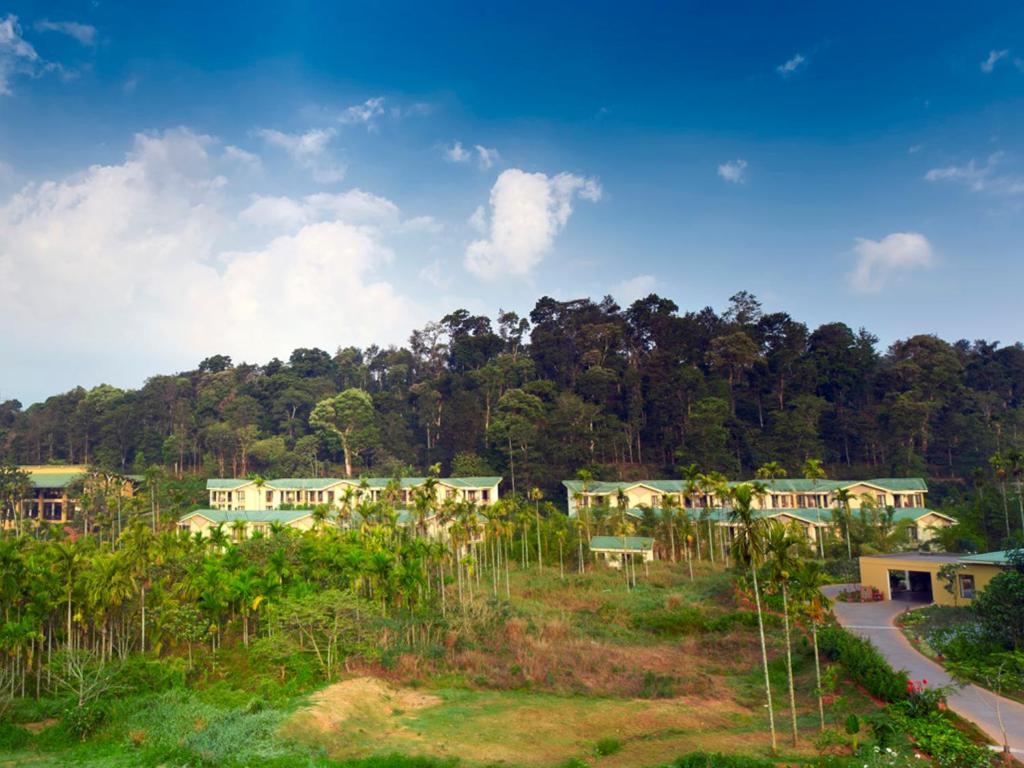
(183, 179)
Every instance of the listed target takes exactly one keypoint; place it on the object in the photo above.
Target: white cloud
(486, 157)
(478, 220)
(527, 211)
(365, 113)
(243, 158)
(456, 153)
(17, 56)
(879, 261)
(635, 288)
(980, 178)
(353, 206)
(153, 237)
(434, 274)
(309, 150)
(787, 68)
(993, 58)
(426, 224)
(83, 33)
(733, 171)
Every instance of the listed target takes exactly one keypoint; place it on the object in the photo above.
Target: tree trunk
(817, 674)
(789, 661)
(764, 659)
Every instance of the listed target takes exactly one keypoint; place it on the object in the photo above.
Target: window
(485, 495)
(241, 497)
(912, 530)
(966, 586)
(471, 495)
(270, 497)
(880, 499)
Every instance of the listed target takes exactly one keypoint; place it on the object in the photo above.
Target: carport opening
(911, 586)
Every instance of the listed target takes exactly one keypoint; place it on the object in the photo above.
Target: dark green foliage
(83, 720)
(863, 663)
(625, 391)
(934, 734)
(718, 760)
(12, 736)
(609, 745)
(1000, 609)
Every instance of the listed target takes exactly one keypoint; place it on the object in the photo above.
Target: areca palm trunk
(817, 674)
(764, 658)
(789, 661)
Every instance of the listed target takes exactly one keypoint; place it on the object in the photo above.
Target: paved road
(875, 622)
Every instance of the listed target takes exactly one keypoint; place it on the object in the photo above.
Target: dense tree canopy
(635, 391)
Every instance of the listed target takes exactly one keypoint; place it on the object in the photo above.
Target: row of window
(328, 497)
(777, 500)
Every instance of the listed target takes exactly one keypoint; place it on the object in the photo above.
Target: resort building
(338, 493)
(613, 549)
(240, 524)
(930, 577)
(808, 503)
(53, 494)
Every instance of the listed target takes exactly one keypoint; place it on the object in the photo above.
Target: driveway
(875, 622)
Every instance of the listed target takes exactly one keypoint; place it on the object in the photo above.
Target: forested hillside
(625, 391)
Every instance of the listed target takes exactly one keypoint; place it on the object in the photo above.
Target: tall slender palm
(813, 471)
(748, 549)
(843, 498)
(536, 496)
(1015, 463)
(812, 603)
(780, 547)
(691, 487)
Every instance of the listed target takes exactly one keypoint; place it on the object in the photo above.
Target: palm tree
(1015, 463)
(691, 487)
(748, 550)
(843, 497)
(780, 544)
(770, 471)
(536, 495)
(1000, 466)
(813, 471)
(139, 552)
(809, 579)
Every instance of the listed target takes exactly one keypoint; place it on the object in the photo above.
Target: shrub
(609, 745)
(863, 663)
(13, 737)
(718, 760)
(937, 736)
(82, 721)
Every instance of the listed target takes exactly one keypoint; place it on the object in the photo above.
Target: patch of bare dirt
(39, 726)
(364, 697)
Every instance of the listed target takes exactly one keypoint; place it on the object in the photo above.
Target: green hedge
(717, 760)
(863, 663)
(931, 731)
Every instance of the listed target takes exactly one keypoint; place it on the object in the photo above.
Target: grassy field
(575, 670)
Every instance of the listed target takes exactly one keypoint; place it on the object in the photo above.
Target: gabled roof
(374, 483)
(620, 543)
(302, 483)
(470, 482)
(225, 484)
(780, 485)
(284, 516)
(999, 557)
(916, 513)
(53, 480)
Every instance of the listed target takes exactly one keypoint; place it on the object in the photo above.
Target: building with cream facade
(810, 504)
(339, 493)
